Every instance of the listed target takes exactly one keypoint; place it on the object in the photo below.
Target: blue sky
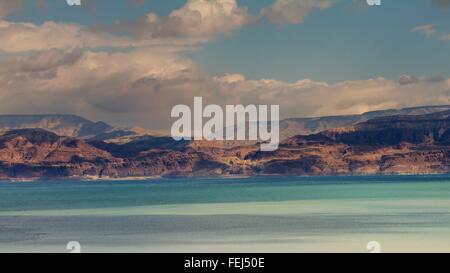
(338, 44)
(335, 44)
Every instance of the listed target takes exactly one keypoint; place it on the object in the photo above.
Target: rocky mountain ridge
(73, 126)
(386, 145)
(79, 127)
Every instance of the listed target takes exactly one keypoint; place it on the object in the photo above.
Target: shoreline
(175, 178)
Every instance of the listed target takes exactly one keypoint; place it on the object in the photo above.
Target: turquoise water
(269, 214)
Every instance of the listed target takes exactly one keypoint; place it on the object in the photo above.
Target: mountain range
(306, 126)
(406, 141)
(79, 127)
(72, 126)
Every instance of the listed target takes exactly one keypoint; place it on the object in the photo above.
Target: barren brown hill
(387, 145)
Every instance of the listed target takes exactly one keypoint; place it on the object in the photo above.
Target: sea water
(259, 214)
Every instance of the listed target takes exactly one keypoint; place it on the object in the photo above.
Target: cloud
(197, 18)
(64, 68)
(431, 30)
(434, 79)
(38, 66)
(136, 87)
(140, 87)
(305, 97)
(194, 23)
(8, 7)
(428, 30)
(294, 11)
(20, 37)
(407, 79)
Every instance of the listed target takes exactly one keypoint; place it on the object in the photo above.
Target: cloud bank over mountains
(134, 72)
(141, 87)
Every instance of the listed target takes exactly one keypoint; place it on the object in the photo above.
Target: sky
(129, 62)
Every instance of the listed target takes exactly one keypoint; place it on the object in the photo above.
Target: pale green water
(274, 214)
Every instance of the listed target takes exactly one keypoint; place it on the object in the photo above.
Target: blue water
(262, 214)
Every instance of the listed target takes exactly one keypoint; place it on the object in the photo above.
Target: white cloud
(137, 86)
(194, 23)
(198, 18)
(428, 30)
(20, 37)
(140, 87)
(294, 11)
(230, 78)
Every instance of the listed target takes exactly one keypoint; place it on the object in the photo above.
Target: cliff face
(79, 127)
(308, 126)
(424, 129)
(31, 153)
(387, 145)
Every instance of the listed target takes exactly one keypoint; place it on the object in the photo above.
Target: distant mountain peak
(63, 125)
(72, 126)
